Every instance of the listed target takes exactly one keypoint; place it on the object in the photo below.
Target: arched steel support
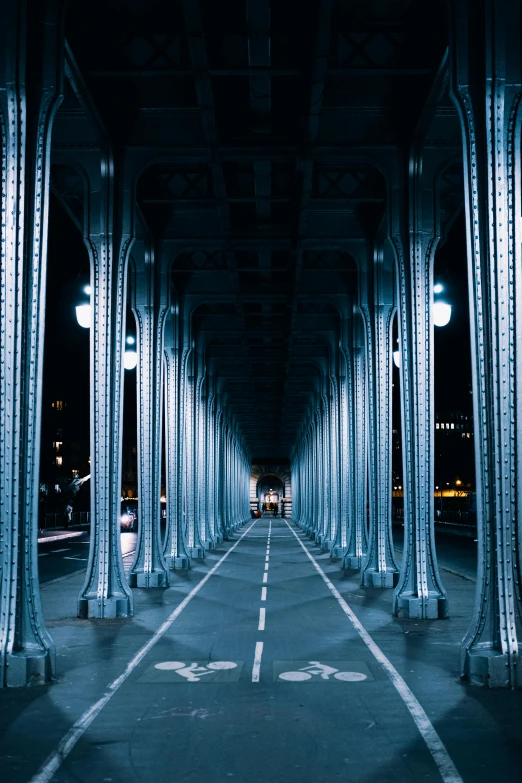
(31, 42)
(150, 307)
(486, 87)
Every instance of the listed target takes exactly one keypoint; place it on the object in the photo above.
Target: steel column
(379, 569)
(150, 307)
(31, 44)
(487, 89)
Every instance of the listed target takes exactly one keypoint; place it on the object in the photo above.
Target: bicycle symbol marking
(321, 671)
(193, 672)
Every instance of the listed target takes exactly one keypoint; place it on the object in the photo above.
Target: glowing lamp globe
(130, 360)
(83, 315)
(397, 358)
(441, 313)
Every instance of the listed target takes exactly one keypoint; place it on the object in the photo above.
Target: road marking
(257, 664)
(50, 582)
(267, 558)
(76, 732)
(263, 593)
(266, 566)
(265, 578)
(61, 536)
(315, 671)
(43, 554)
(55, 551)
(262, 615)
(436, 747)
(72, 557)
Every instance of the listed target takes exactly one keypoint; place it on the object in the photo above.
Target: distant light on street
(83, 315)
(130, 340)
(397, 358)
(130, 360)
(87, 290)
(441, 313)
(438, 288)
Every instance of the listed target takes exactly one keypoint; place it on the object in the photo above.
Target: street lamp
(83, 311)
(130, 358)
(441, 309)
(397, 356)
(441, 317)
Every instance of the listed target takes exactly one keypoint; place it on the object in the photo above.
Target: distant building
(454, 451)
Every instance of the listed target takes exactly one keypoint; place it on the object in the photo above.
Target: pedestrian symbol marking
(193, 671)
(315, 671)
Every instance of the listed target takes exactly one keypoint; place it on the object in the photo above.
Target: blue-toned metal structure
(267, 216)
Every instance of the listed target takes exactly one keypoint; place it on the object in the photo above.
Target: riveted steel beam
(487, 89)
(149, 305)
(31, 78)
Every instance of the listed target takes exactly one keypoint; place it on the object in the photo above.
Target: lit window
(59, 405)
(452, 426)
(76, 473)
(57, 445)
(442, 426)
(437, 426)
(57, 488)
(59, 461)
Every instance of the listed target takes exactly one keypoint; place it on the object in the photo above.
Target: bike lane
(230, 691)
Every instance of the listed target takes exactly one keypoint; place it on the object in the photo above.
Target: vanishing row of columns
(486, 86)
(352, 407)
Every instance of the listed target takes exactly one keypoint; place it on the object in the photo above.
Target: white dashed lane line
(265, 578)
(262, 614)
(257, 662)
(263, 593)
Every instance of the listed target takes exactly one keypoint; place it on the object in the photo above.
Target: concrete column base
(326, 545)
(209, 544)
(491, 669)
(181, 563)
(380, 578)
(196, 551)
(337, 551)
(148, 579)
(105, 608)
(29, 668)
(412, 607)
(352, 562)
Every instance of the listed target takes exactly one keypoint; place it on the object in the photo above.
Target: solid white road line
(257, 661)
(262, 614)
(265, 578)
(67, 743)
(440, 755)
(61, 536)
(50, 582)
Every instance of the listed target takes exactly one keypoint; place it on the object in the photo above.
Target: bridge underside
(261, 191)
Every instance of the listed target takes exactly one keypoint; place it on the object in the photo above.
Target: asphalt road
(63, 557)
(458, 554)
